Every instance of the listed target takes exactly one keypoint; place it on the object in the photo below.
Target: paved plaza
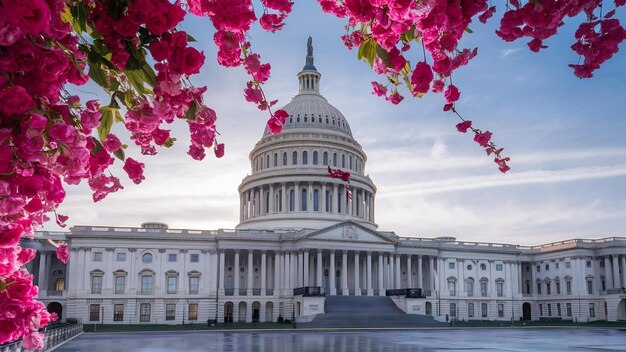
(529, 339)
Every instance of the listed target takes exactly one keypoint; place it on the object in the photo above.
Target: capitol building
(302, 242)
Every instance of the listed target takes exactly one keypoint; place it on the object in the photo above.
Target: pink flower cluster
(232, 19)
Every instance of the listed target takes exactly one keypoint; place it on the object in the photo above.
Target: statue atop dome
(309, 66)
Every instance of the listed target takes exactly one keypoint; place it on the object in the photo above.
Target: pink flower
(482, 138)
(452, 94)
(111, 143)
(395, 98)
(421, 77)
(272, 22)
(379, 89)
(219, 150)
(160, 50)
(535, 45)
(260, 72)
(190, 60)
(16, 100)
(464, 126)
(134, 169)
(63, 253)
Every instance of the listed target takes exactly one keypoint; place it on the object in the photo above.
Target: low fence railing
(406, 292)
(308, 291)
(52, 337)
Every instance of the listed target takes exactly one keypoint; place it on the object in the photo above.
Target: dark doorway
(526, 315)
(429, 308)
(56, 307)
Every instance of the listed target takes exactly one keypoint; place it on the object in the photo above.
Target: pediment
(348, 231)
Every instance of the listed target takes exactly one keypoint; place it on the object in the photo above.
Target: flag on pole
(344, 176)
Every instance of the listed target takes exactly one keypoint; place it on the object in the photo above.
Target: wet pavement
(523, 339)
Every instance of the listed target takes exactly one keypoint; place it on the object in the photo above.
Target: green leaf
(468, 30)
(119, 153)
(191, 113)
(97, 74)
(117, 116)
(106, 121)
(367, 51)
(98, 147)
(190, 38)
(169, 143)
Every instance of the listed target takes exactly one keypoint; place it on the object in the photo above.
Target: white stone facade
(297, 229)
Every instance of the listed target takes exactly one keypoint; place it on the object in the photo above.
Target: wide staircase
(365, 312)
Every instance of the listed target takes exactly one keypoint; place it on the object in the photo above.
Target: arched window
(469, 285)
(275, 159)
(315, 158)
(343, 161)
(316, 201)
(59, 285)
(284, 158)
(294, 158)
(267, 161)
(483, 266)
(327, 201)
(305, 157)
(335, 159)
(304, 199)
(146, 258)
(292, 200)
(325, 158)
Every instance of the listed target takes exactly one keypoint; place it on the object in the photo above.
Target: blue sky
(566, 138)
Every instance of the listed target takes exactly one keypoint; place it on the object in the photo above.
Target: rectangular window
(120, 284)
(558, 309)
(547, 267)
(590, 287)
(500, 289)
(540, 309)
(194, 258)
(483, 289)
(499, 267)
(120, 257)
(94, 312)
(171, 284)
(557, 265)
(568, 265)
(588, 263)
(539, 288)
(592, 310)
(170, 311)
(470, 288)
(568, 309)
(548, 288)
(452, 288)
(146, 284)
(483, 310)
(144, 312)
(193, 285)
(500, 310)
(470, 310)
(118, 312)
(453, 309)
(97, 256)
(172, 257)
(568, 287)
(193, 312)
(538, 268)
(96, 284)
(558, 288)
(450, 265)
(549, 309)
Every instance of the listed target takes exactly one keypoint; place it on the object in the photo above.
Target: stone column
(241, 205)
(294, 269)
(439, 274)
(333, 289)
(431, 274)
(509, 279)
(43, 275)
(318, 271)
(285, 206)
(420, 283)
(608, 277)
(623, 271)
(353, 201)
(271, 200)
(335, 205)
(250, 272)
(357, 274)
(380, 274)
(263, 273)
(297, 203)
(616, 283)
(236, 272)
(398, 272)
(222, 271)
(300, 275)
(344, 273)
(409, 274)
(277, 261)
(370, 291)
(306, 268)
(596, 273)
(323, 200)
(310, 201)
